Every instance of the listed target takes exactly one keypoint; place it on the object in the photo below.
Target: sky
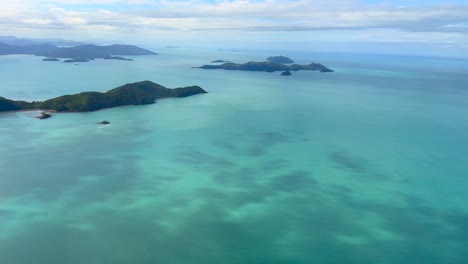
(431, 27)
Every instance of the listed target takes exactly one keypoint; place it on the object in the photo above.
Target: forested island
(267, 67)
(139, 93)
(277, 63)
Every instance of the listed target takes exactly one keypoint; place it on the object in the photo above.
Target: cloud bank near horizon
(410, 21)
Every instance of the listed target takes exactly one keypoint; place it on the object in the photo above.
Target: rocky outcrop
(44, 115)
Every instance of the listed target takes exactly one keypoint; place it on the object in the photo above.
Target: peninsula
(139, 93)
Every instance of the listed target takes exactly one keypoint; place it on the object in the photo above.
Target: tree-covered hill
(139, 93)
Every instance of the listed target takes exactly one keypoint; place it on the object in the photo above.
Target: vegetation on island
(11, 105)
(280, 59)
(272, 64)
(267, 67)
(139, 93)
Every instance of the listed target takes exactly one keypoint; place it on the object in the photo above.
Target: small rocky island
(44, 115)
(267, 66)
(139, 93)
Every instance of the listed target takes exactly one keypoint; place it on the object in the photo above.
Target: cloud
(249, 15)
(442, 21)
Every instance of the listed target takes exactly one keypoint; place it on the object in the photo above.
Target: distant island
(76, 60)
(117, 58)
(219, 61)
(139, 93)
(50, 59)
(266, 66)
(81, 53)
(83, 59)
(280, 59)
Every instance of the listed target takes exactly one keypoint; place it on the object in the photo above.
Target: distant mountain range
(15, 41)
(84, 52)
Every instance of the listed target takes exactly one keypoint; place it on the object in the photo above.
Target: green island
(139, 93)
(268, 66)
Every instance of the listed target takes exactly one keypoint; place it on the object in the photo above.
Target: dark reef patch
(51, 178)
(196, 158)
(344, 160)
(274, 165)
(291, 229)
(264, 141)
(293, 182)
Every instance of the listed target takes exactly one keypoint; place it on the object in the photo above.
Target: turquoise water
(364, 165)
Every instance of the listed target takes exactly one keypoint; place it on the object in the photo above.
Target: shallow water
(364, 165)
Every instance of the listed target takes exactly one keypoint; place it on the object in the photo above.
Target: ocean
(368, 164)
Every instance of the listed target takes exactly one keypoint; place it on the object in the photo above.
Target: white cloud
(436, 23)
(248, 15)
